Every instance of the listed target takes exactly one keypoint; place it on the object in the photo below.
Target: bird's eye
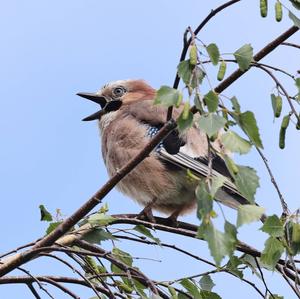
(118, 92)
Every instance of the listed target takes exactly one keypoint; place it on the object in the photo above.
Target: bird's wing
(229, 195)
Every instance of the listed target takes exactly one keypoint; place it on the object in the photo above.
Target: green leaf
(122, 256)
(172, 292)
(197, 76)
(231, 235)
(191, 288)
(204, 201)
(96, 235)
(206, 283)
(276, 296)
(246, 181)
(296, 233)
(233, 264)
(233, 142)
(52, 226)
(167, 96)
(220, 244)
(213, 52)
(273, 226)
(216, 184)
(146, 232)
(295, 20)
(211, 123)
(209, 295)
(212, 101)
(45, 215)
(100, 219)
(235, 104)
(184, 70)
(272, 252)
(248, 123)
(244, 56)
(183, 296)
(185, 123)
(297, 82)
(248, 214)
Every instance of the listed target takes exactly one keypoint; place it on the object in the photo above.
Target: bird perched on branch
(128, 120)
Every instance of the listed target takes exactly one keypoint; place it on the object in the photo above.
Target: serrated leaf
(231, 235)
(52, 226)
(206, 283)
(45, 215)
(219, 243)
(272, 252)
(295, 20)
(167, 96)
(100, 219)
(184, 70)
(96, 235)
(146, 232)
(209, 295)
(233, 264)
(244, 56)
(246, 181)
(211, 123)
(204, 200)
(197, 76)
(216, 184)
(185, 123)
(273, 226)
(122, 256)
(212, 101)
(248, 214)
(233, 142)
(248, 123)
(213, 52)
(191, 288)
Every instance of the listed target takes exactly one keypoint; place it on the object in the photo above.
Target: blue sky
(50, 50)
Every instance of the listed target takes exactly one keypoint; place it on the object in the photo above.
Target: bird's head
(116, 94)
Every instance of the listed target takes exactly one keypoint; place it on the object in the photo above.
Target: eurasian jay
(127, 121)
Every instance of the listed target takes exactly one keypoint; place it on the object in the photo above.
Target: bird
(128, 119)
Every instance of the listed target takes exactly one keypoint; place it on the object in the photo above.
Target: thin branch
(33, 291)
(291, 45)
(19, 259)
(107, 255)
(283, 90)
(282, 201)
(75, 271)
(260, 55)
(187, 43)
(61, 279)
(61, 287)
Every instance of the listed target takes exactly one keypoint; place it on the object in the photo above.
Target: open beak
(106, 105)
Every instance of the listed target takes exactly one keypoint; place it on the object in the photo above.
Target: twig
(187, 43)
(19, 259)
(260, 55)
(282, 201)
(33, 291)
(291, 45)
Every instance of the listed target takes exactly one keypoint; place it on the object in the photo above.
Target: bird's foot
(146, 214)
(172, 220)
